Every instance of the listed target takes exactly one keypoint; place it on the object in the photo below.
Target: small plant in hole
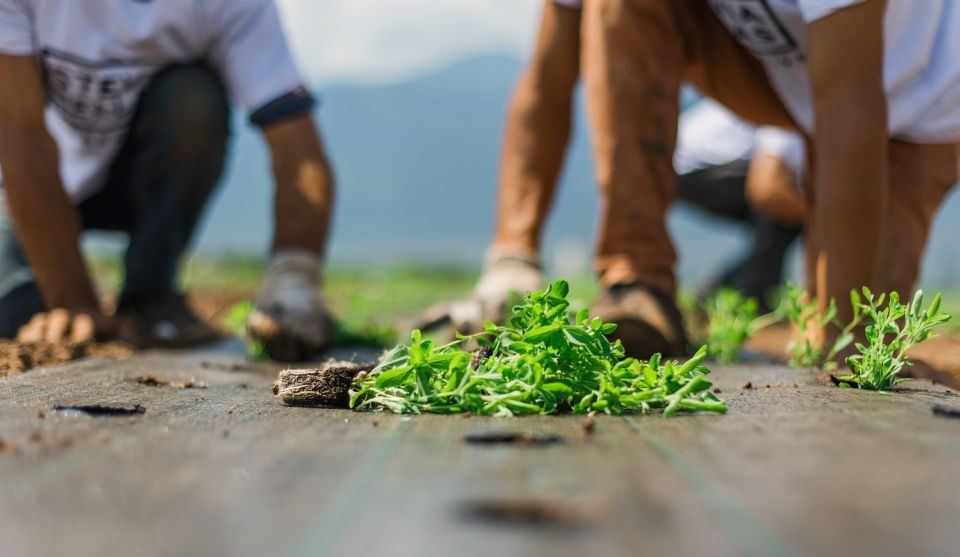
(892, 329)
(803, 312)
(538, 363)
(731, 321)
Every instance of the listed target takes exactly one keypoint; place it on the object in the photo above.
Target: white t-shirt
(921, 59)
(921, 70)
(99, 55)
(711, 135)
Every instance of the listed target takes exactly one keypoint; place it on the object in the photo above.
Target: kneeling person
(117, 118)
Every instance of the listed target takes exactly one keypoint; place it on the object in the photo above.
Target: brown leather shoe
(648, 321)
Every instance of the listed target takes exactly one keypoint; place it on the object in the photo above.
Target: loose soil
(211, 306)
(16, 357)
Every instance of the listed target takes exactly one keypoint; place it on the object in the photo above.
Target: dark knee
(189, 103)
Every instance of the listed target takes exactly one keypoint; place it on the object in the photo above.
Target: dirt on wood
(328, 385)
(16, 357)
(154, 381)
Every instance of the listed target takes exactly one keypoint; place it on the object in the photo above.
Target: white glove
(291, 318)
(505, 276)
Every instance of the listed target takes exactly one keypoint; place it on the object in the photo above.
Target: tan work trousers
(635, 54)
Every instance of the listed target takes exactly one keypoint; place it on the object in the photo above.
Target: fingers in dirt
(83, 328)
(57, 326)
(33, 331)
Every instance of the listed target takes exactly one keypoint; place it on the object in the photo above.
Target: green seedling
(803, 312)
(538, 363)
(731, 320)
(892, 329)
(236, 322)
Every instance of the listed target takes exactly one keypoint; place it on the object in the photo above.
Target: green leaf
(393, 377)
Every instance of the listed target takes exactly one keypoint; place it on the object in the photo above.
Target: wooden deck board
(799, 468)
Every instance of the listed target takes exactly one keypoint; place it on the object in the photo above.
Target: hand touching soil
(62, 325)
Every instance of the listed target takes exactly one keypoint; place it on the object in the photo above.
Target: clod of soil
(946, 411)
(8, 447)
(16, 357)
(326, 386)
(103, 410)
(153, 381)
(528, 513)
(747, 386)
(589, 424)
(512, 438)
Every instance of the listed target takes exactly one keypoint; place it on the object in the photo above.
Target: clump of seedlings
(802, 311)
(892, 329)
(538, 363)
(731, 320)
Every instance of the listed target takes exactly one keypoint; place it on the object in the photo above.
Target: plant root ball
(328, 385)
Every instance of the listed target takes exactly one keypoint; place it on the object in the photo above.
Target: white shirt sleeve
(249, 49)
(16, 29)
(812, 10)
(786, 145)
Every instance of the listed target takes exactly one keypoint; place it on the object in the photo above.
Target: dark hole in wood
(531, 514)
(103, 410)
(512, 438)
(946, 412)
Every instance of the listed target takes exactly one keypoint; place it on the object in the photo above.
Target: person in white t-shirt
(115, 115)
(726, 168)
(874, 84)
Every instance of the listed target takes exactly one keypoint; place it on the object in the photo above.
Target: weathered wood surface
(799, 468)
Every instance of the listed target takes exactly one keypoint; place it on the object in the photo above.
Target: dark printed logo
(756, 27)
(96, 99)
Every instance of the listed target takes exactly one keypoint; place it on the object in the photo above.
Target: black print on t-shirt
(97, 99)
(758, 29)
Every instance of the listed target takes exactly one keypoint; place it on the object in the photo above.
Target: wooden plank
(832, 471)
(799, 468)
(603, 495)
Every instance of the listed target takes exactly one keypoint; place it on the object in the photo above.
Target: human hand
(59, 325)
(291, 319)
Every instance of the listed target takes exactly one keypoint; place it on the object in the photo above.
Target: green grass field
(369, 302)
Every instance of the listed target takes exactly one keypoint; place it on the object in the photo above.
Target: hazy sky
(382, 41)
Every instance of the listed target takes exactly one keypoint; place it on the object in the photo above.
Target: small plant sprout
(892, 329)
(731, 321)
(236, 321)
(540, 362)
(802, 311)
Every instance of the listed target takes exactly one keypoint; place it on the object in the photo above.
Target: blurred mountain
(416, 167)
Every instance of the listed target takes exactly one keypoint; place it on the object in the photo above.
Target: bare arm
(304, 186)
(538, 128)
(46, 222)
(850, 148)
(773, 191)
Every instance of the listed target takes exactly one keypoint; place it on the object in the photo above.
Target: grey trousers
(157, 188)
